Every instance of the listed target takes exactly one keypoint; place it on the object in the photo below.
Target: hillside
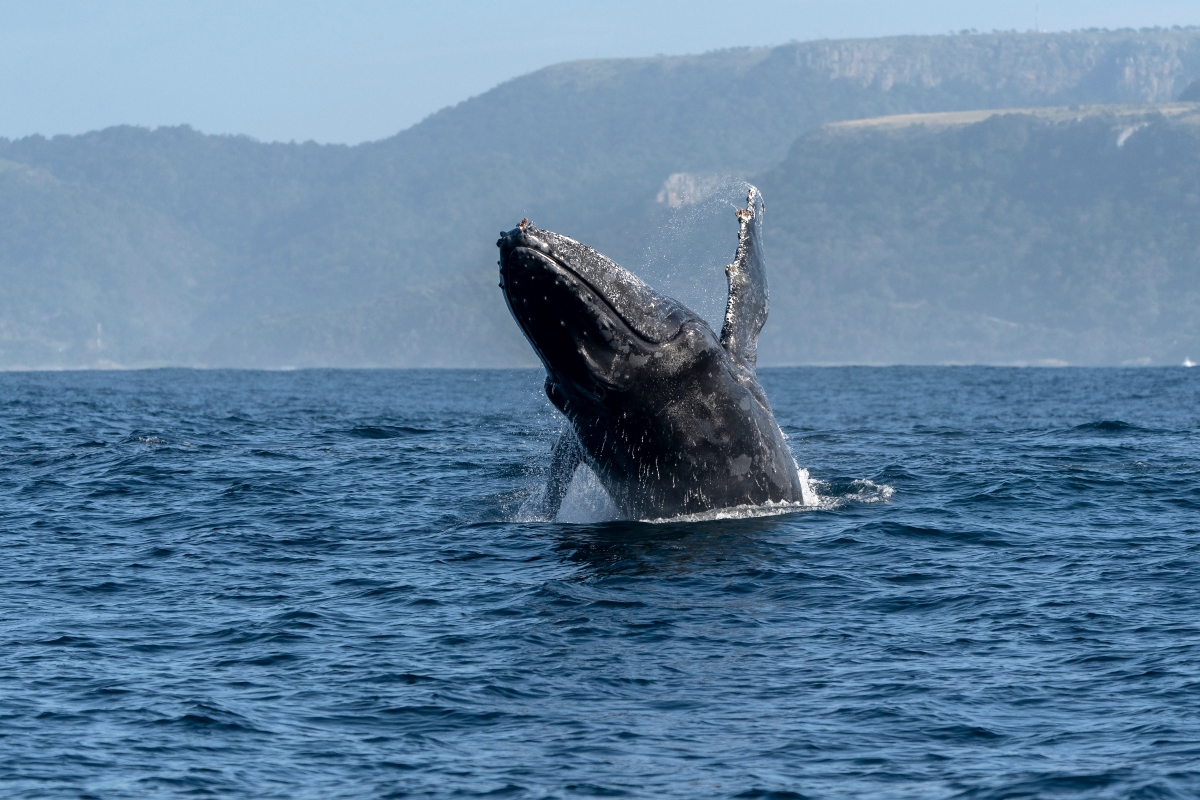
(1066, 235)
(144, 247)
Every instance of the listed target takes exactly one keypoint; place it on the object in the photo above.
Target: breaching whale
(669, 416)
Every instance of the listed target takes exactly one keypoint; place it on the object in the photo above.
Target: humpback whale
(669, 416)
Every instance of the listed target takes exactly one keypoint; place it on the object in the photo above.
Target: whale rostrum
(670, 417)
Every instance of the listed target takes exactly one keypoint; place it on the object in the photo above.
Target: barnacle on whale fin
(746, 214)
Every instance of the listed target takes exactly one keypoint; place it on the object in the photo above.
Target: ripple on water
(323, 584)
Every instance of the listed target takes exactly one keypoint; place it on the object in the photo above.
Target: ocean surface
(322, 584)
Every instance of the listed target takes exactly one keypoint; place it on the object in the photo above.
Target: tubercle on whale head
(755, 209)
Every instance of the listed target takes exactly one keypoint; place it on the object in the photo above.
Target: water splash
(808, 495)
(696, 238)
(586, 500)
(857, 491)
(861, 492)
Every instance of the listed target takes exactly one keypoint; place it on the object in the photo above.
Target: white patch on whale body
(586, 500)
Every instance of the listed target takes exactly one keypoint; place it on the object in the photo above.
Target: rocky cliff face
(1078, 67)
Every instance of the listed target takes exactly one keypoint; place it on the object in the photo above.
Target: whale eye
(599, 391)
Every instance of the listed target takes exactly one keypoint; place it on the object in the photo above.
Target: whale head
(598, 329)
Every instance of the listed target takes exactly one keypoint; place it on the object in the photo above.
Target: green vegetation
(1068, 237)
(141, 247)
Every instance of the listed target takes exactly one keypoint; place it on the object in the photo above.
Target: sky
(349, 71)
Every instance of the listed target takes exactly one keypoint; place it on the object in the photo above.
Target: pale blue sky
(354, 71)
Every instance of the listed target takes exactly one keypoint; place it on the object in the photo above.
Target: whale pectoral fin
(746, 312)
(564, 458)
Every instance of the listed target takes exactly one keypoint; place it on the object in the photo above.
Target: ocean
(324, 584)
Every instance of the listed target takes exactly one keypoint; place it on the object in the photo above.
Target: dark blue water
(310, 585)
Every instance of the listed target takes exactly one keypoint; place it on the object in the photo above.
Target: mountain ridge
(222, 251)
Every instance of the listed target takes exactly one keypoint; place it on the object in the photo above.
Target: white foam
(864, 491)
(768, 509)
(587, 502)
(808, 495)
(815, 497)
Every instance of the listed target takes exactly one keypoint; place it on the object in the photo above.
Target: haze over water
(312, 584)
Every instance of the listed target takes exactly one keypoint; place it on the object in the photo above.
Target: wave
(1107, 426)
(386, 431)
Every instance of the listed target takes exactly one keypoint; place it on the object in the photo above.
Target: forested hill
(1050, 236)
(141, 247)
